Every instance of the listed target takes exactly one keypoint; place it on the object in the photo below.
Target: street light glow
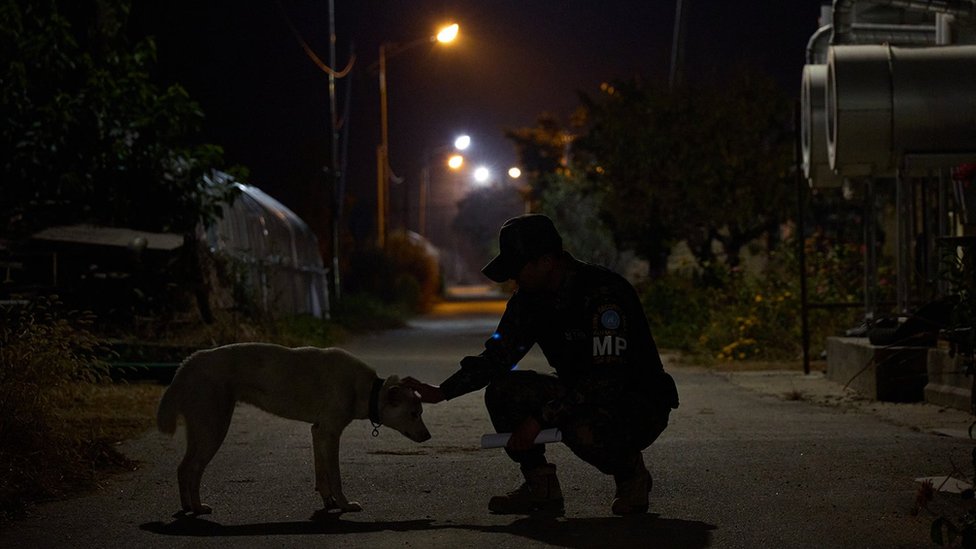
(455, 161)
(482, 174)
(462, 142)
(448, 33)
(514, 172)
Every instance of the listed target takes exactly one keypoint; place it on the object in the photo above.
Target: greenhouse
(277, 250)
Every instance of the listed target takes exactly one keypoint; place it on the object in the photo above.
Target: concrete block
(888, 373)
(948, 383)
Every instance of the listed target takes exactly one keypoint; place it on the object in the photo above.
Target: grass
(73, 446)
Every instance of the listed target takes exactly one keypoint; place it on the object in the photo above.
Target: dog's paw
(189, 512)
(202, 509)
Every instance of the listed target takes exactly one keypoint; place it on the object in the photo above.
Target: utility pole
(677, 44)
(334, 153)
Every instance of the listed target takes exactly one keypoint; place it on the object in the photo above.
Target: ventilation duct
(884, 102)
(813, 128)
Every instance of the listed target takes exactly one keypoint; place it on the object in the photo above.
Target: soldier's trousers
(606, 426)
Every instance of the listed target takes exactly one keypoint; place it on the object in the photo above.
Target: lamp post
(444, 36)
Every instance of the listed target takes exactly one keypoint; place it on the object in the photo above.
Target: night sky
(267, 103)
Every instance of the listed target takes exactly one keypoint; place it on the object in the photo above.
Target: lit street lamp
(444, 36)
(482, 175)
(455, 161)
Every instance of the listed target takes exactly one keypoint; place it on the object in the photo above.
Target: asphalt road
(736, 468)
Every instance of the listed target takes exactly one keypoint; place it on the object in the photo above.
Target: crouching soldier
(610, 396)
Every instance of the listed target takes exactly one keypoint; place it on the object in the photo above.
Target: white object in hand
(500, 440)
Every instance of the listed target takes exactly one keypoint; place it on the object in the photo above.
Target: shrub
(404, 274)
(48, 357)
(729, 315)
(677, 311)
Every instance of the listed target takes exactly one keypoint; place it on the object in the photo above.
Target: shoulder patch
(610, 319)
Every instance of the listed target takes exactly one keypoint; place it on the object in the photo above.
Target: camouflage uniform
(610, 397)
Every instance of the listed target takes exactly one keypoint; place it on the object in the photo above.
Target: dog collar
(374, 406)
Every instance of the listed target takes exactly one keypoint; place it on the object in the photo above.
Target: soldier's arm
(509, 343)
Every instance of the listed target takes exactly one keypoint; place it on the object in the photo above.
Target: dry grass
(74, 447)
(114, 412)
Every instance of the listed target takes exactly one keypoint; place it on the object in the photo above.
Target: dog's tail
(171, 403)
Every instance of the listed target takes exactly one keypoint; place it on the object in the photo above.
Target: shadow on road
(582, 533)
(601, 532)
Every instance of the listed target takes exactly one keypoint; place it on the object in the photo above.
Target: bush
(48, 358)
(677, 310)
(732, 315)
(404, 274)
(757, 319)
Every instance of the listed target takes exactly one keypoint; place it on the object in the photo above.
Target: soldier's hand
(430, 394)
(524, 435)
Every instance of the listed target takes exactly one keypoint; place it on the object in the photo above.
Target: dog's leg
(204, 435)
(321, 481)
(326, 446)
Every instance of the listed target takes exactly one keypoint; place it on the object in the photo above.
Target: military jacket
(591, 330)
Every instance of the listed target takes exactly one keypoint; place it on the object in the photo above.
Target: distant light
(455, 161)
(514, 172)
(448, 34)
(482, 174)
(462, 142)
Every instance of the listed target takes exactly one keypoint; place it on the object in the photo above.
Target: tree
(574, 204)
(701, 164)
(627, 152)
(87, 135)
(542, 151)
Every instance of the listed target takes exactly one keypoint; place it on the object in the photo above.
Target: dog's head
(400, 408)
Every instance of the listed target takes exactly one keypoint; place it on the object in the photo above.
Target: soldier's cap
(522, 239)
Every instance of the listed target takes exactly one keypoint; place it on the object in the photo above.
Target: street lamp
(482, 175)
(445, 35)
(454, 161)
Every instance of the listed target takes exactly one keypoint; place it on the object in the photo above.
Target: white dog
(325, 387)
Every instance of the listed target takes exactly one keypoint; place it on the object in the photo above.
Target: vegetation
(738, 315)
(90, 137)
(49, 360)
(87, 135)
(404, 276)
(702, 165)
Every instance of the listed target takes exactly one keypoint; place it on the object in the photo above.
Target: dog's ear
(394, 395)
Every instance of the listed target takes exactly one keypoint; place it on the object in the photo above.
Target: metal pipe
(677, 41)
(903, 241)
(801, 192)
(871, 33)
(870, 252)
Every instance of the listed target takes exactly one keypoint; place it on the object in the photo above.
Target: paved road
(737, 468)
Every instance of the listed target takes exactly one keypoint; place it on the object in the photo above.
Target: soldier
(610, 397)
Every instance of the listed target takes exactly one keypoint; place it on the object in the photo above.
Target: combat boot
(539, 493)
(632, 491)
